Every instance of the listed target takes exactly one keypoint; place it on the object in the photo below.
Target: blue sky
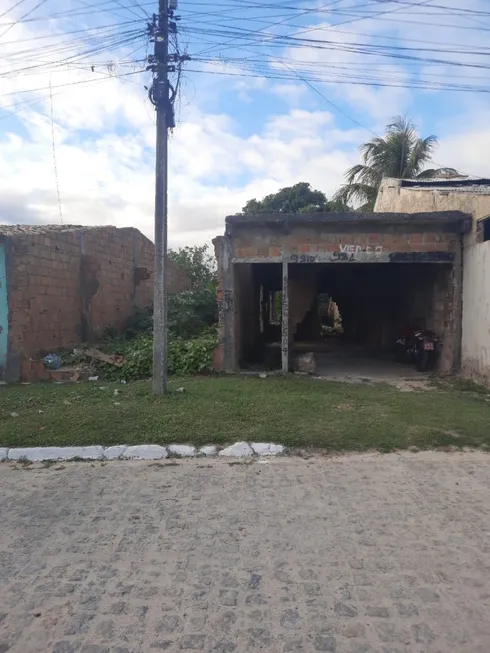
(276, 92)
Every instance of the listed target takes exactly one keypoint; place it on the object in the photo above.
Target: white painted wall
(476, 312)
(393, 198)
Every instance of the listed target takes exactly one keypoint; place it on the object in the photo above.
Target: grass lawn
(298, 412)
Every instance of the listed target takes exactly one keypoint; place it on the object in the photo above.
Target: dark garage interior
(347, 313)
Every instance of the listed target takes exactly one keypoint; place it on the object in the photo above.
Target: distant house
(62, 285)
(471, 196)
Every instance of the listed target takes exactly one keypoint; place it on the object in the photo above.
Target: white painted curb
(138, 452)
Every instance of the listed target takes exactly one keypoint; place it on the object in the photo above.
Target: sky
(275, 93)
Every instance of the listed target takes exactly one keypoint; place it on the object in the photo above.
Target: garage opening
(348, 315)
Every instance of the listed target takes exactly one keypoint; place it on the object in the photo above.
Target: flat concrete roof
(461, 221)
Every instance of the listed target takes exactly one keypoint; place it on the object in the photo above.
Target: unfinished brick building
(60, 286)
(383, 270)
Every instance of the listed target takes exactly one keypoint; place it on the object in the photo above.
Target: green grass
(298, 412)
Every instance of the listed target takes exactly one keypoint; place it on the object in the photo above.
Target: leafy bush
(185, 357)
(192, 311)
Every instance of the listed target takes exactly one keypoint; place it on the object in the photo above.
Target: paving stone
(35, 454)
(146, 452)
(237, 450)
(115, 452)
(267, 448)
(79, 623)
(325, 643)
(390, 633)
(360, 647)
(192, 642)
(423, 634)
(228, 597)
(183, 450)
(344, 610)
(352, 630)
(224, 646)
(168, 623)
(290, 619)
(376, 611)
(209, 450)
(92, 453)
(225, 559)
(258, 638)
(66, 647)
(407, 610)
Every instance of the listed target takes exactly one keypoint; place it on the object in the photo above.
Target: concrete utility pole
(162, 95)
(159, 95)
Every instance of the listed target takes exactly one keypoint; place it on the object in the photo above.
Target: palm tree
(400, 154)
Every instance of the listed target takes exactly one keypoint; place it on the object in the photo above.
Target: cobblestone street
(354, 554)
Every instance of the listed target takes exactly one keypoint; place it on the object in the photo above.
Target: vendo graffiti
(352, 252)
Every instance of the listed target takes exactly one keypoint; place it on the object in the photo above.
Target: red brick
(304, 249)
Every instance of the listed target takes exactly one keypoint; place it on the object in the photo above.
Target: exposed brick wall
(43, 292)
(263, 243)
(65, 286)
(410, 243)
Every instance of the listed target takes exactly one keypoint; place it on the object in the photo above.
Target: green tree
(300, 198)
(194, 310)
(197, 263)
(401, 154)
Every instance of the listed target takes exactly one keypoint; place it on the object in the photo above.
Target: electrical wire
(54, 152)
(28, 13)
(19, 2)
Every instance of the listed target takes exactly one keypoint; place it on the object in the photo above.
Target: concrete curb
(138, 452)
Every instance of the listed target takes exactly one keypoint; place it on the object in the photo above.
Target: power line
(12, 8)
(54, 152)
(28, 13)
(130, 9)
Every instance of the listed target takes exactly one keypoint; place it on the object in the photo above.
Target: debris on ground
(262, 376)
(305, 363)
(14, 414)
(181, 390)
(93, 378)
(118, 361)
(52, 361)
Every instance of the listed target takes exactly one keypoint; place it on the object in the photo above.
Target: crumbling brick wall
(66, 284)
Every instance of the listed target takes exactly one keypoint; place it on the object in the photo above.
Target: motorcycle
(420, 347)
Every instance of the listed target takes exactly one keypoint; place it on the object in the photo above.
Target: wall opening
(486, 229)
(339, 309)
(258, 301)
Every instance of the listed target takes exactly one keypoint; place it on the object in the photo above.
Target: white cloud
(290, 92)
(105, 133)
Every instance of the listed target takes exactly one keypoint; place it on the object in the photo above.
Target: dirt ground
(351, 554)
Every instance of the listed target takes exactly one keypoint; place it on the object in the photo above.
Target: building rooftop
(37, 229)
(454, 185)
(456, 218)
